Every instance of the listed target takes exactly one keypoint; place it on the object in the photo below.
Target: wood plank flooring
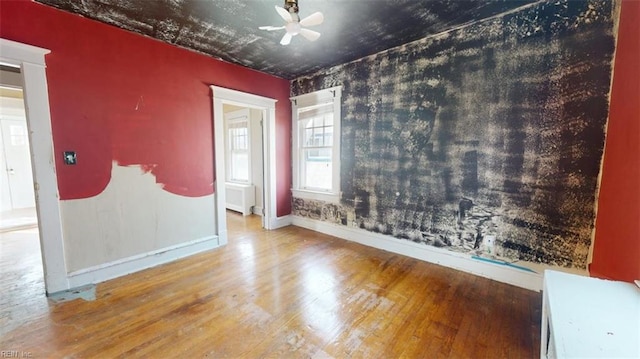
(289, 293)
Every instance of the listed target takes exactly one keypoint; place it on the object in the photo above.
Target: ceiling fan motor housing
(291, 6)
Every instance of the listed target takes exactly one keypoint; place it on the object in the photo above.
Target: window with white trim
(238, 150)
(316, 144)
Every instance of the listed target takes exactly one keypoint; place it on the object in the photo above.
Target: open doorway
(30, 60)
(17, 198)
(261, 109)
(244, 177)
(21, 266)
(244, 159)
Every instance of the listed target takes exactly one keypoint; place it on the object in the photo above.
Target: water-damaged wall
(496, 128)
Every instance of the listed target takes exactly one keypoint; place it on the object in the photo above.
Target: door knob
(11, 171)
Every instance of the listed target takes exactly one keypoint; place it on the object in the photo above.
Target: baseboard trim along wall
(280, 222)
(257, 211)
(121, 267)
(460, 261)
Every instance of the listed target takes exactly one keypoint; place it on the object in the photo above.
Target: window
(238, 149)
(316, 145)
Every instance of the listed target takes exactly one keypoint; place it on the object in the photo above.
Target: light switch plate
(70, 158)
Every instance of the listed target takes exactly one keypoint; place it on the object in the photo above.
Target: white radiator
(240, 197)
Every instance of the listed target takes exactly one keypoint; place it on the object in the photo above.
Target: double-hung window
(316, 144)
(238, 149)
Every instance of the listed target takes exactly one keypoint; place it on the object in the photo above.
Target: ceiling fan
(294, 25)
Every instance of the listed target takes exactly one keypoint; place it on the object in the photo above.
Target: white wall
(131, 217)
(256, 158)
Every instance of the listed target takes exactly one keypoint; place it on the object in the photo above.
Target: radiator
(240, 197)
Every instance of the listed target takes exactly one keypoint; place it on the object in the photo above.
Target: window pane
(233, 143)
(318, 121)
(317, 168)
(317, 136)
(328, 119)
(239, 166)
(328, 136)
(238, 136)
(317, 131)
(308, 136)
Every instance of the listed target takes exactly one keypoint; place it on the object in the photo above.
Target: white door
(5, 192)
(17, 164)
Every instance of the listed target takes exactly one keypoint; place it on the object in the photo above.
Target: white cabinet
(586, 317)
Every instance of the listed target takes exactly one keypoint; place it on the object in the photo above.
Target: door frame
(31, 61)
(222, 96)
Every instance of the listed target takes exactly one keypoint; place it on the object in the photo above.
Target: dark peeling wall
(496, 129)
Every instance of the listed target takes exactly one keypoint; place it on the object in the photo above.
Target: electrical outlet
(488, 242)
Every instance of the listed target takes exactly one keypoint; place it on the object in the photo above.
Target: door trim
(223, 96)
(31, 61)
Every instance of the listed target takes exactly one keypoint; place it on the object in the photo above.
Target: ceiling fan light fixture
(293, 28)
(293, 24)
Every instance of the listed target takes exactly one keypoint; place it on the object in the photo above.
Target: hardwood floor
(289, 293)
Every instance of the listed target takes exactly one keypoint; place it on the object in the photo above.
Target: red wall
(616, 253)
(119, 96)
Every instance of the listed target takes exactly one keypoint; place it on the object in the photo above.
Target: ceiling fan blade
(284, 14)
(310, 34)
(286, 39)
(271, 28)
(312, 20)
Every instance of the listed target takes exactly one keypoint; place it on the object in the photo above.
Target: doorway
(20, 255)
(17, 198)
(244, 178)
(235, 100)
(31, 63)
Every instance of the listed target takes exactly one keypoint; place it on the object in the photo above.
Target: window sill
(240, 183)
(320, 196)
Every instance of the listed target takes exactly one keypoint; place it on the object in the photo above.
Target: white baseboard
(280, 222)
(455, 260)
(223, 239)
(121, 267)
(257, 211)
